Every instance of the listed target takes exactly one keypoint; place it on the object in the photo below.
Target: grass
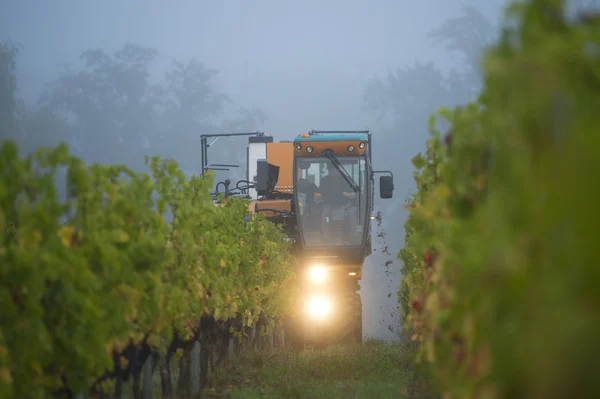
(372, 370)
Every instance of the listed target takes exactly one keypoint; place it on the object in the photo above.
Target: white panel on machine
(256, 151)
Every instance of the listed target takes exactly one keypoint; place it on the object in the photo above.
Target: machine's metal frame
(204, 146)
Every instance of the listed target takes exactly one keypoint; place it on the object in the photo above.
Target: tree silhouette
(109, 103)
(466, 34)
(8, 90)
(192, 94)
(110, 111)
(403, 101)
(192, 106)
(28, 127)
(115, 114)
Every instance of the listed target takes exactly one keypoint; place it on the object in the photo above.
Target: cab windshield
(331, 207)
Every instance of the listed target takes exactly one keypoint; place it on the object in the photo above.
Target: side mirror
(386, 187)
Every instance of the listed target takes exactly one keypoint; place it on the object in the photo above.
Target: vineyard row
(501, 277)
(145, 264)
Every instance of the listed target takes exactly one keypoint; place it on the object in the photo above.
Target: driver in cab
(336, 194)
(334, 189)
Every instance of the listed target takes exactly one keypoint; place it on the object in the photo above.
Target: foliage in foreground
(501, 266)
(83, 277)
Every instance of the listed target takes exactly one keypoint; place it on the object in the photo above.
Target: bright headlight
(317, 274)
(318, 306)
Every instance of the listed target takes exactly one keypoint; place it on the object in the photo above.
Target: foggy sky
(305, 64)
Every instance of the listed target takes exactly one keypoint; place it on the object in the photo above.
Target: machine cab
(334, 191)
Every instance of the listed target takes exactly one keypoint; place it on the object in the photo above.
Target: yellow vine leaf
(222, 263)
(36, 239)
(29, 239)
(5, 375)
(37, 368)
(122, 237)
(432, 304)
(112, 191)
(430, 351)
(136, 336)
(108, 347)
(66, 235)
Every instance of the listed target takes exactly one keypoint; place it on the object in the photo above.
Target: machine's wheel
(358, 331)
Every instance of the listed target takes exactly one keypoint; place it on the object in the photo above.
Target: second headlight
(317, 274)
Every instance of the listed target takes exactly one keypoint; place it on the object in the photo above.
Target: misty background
(118, 80)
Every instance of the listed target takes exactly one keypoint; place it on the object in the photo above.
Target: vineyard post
(252, 336)
(147, 380)
(271, 340)
(195, 369)
(231, 348)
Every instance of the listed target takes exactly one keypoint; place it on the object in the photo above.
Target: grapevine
(500, 262)
(99, 275)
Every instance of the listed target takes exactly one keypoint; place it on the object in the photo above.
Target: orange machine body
(340, 148)
(282, 155)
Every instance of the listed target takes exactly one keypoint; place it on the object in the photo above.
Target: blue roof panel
(333, 137)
